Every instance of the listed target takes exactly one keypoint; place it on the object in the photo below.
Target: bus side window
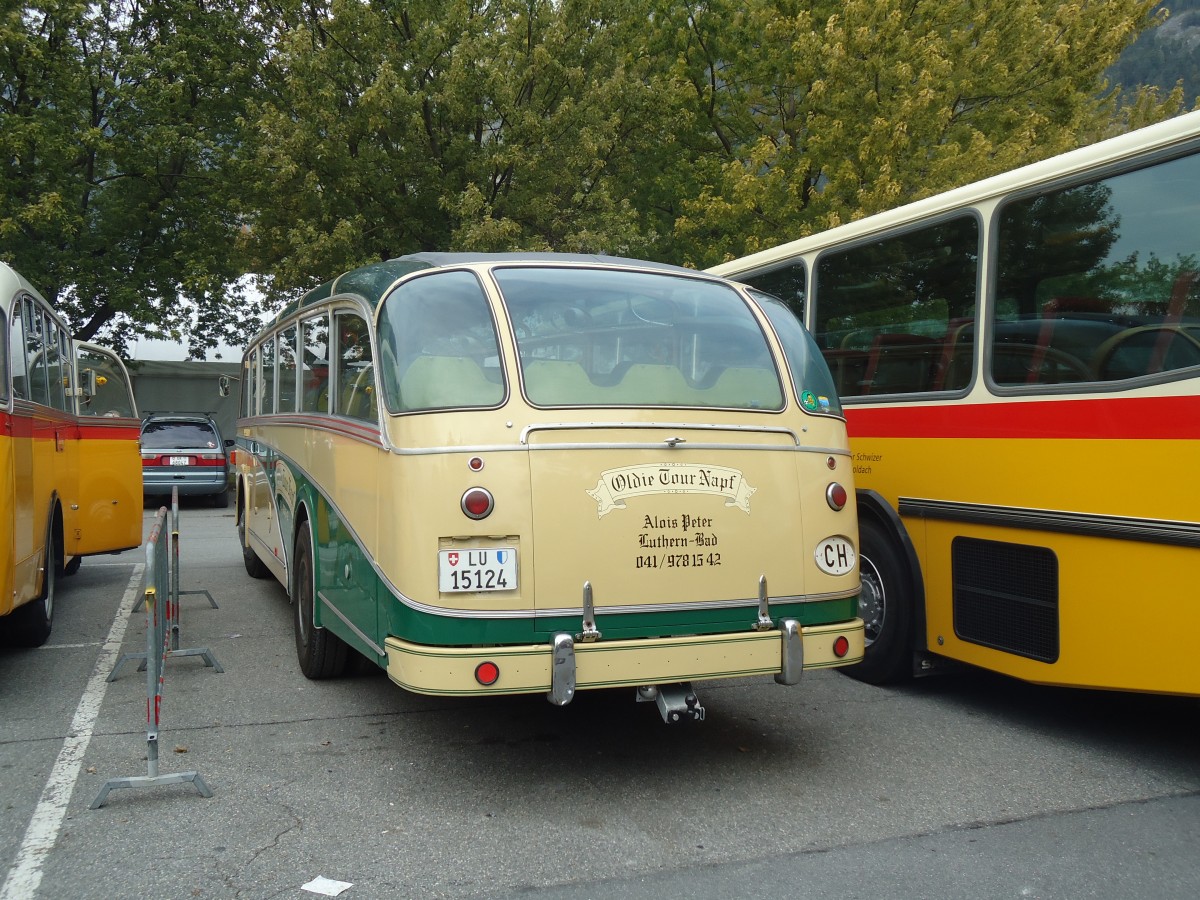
(267, 351)
(35, 353)
(355, 372)
(287, 370)
(314, 334)
(3, 358)
(890, 313)
(1097, 280)
(20, 383)
(250, 385)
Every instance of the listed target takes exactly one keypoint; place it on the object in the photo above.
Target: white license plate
(493, 569)
(179, 461)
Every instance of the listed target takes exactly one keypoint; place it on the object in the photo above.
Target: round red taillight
(841, 646)
(835, 496)
(477, 503)
(475, 463)
(488, 673)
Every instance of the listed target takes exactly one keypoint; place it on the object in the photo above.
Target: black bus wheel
(321, 654)
(886, 608)
(31, 623)
(255, 567)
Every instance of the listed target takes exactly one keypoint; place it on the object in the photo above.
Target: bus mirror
(91, 384)
(223, 386)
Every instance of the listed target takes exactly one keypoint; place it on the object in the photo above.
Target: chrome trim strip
(656, 445)
(379, 651)
(1126, 528)
(695, 426)
(355, 429)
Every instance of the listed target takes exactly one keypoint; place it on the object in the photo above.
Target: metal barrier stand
(175, 591)
(172, 603)
(159, 633)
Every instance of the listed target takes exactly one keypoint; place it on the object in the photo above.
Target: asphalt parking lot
(958, 786)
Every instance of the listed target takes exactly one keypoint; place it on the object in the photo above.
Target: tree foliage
(154, 150)
(398, 127)
(844, 109)
(120, 121)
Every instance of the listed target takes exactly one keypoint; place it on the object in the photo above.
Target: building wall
(187, 387)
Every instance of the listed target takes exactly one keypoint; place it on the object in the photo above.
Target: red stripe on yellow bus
(1130, 418)
(110, 432)
(16, 425)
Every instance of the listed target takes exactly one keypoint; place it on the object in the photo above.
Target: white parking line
(69, 646)
(26, 872)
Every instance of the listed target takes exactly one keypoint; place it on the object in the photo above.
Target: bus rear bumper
(562, 666)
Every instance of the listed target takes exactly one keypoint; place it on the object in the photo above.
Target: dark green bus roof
(372, 281)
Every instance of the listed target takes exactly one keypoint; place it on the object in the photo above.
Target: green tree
(153, 151)
(458, 124)
(118, 123)
(827, 112)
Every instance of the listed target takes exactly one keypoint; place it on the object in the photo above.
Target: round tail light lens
(477, 503)
(835, 496)
(487, 673)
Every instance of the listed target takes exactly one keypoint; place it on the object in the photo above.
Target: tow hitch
(676, 702)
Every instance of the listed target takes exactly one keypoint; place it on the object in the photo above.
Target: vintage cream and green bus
(505, 474)
(70, 471)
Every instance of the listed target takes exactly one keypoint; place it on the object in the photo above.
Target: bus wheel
(255, 567)
(321, 654)
(31, 623)
(886, 608)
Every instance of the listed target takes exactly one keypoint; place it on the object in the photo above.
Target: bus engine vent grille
(1006, 597)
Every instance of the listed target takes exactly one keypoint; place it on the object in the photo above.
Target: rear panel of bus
(538, 459)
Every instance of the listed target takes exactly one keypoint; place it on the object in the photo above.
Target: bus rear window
(595, 337)
(438, 344)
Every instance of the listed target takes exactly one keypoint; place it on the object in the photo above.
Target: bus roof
(12, 283)
(372, 282)
(1162, 136)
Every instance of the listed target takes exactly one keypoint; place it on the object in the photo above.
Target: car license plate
(179, 461)
(493, 569)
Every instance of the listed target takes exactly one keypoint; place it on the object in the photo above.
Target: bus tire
(255, 567)
(321, 653)
(32, 622)
(886, 607)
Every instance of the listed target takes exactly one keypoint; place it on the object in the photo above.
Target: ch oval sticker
(835, 555)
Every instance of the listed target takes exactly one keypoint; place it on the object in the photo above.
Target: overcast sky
(147, 348)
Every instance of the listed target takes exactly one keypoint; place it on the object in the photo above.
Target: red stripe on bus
(18, 425)
(110, 432)
(1130, 418)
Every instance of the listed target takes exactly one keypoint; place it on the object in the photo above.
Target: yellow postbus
(504, 474)
(70, 470)
(1019, 361)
